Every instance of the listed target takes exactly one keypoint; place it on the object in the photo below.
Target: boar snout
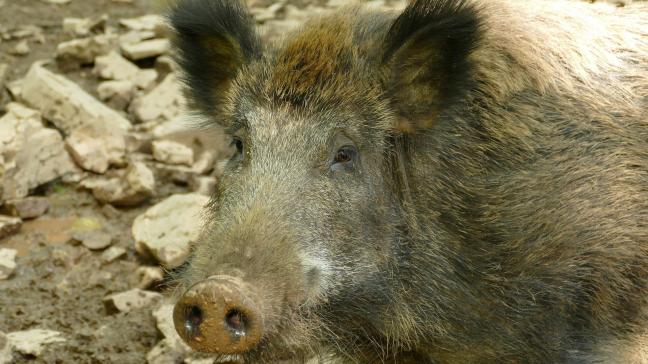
(219, 315)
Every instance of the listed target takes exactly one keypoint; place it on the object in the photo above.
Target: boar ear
(427, 58)
(213, 40)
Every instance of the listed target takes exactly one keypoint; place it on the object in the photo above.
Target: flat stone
(113, 66)
(28, 207)
(84, 26)
(205, 162)
(148, 276)
(5, 349)
(146, 49)
(33, 342)
(65, 104)
(113, 253)
(170, 152)
(162, 103)
(85, 50)
(95, 147)
(117, 94)
(164, 352)
(129, 187)
(93, 239)
(149, 22)
(30, 154)
(7, 262)
(135, 36)
(204, 185)
(130, 300)
(166, 230)
(21, 48)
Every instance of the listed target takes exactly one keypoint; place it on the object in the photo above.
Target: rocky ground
(101, 179)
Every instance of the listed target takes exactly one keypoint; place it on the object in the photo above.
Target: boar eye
(238, 143)
(344, 157)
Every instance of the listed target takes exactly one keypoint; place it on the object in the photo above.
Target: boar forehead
(326, 71)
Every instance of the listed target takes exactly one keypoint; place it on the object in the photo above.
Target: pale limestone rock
(28, 207)
(33, 342)
(146, 22)
(65, 104)
(204, 185)
(166, 230)
(21, 48)
(117, 94)
(113, 66)
(95, 147)
(170, 152)
(162, 103)
(148, 276)
(130, 300)
(146, 49)
(82, 27)
(85, 50)
(30, 154)
(126, 188)
(113, 253)
(7, 262)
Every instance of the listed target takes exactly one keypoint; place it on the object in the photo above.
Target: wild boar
(465, 181)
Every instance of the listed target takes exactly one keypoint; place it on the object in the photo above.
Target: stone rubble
(85, 50)
(27, 208)
(64, 103)
(148, 276)
(130, 300)
(112, 254)
(34, 341)
(7, 262)
(170, 152)
(117, 94)
(146, 49)
(128, 187)
(162, 103)
(95, 147)
(166, 230)
(83, 27)
(30, 154)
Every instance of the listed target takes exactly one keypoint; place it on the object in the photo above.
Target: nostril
(194, 317)
(236, 321)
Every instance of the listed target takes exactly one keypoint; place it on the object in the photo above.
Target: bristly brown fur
(499, 208)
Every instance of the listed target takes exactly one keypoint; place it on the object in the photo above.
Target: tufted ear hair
(427, 58)
(213, 40)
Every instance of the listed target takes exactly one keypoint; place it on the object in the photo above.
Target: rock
(166, 230)
(59, 2)
(113, 66)
(165, 65)
(204, 185)
(7, 262)
(162, 103)
(27, 208)
(170, 152)
(148, 276)
(117, 94)
(135, 36)
(205, 162)
(65, 104)
(5, 349)
(3, 74)
(130, 300)
(164, 352)
(30, 154)
(93, 239)
(21, 48)
(264, 14)
(84, 26)
(164, 323)
(85, 50)
(32, 342)
(145, 22)
(180, 175)
(95, 147)
(126, 188)
(146, 49)
(113, 253)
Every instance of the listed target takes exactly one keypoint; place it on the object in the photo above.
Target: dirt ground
(58, 285)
